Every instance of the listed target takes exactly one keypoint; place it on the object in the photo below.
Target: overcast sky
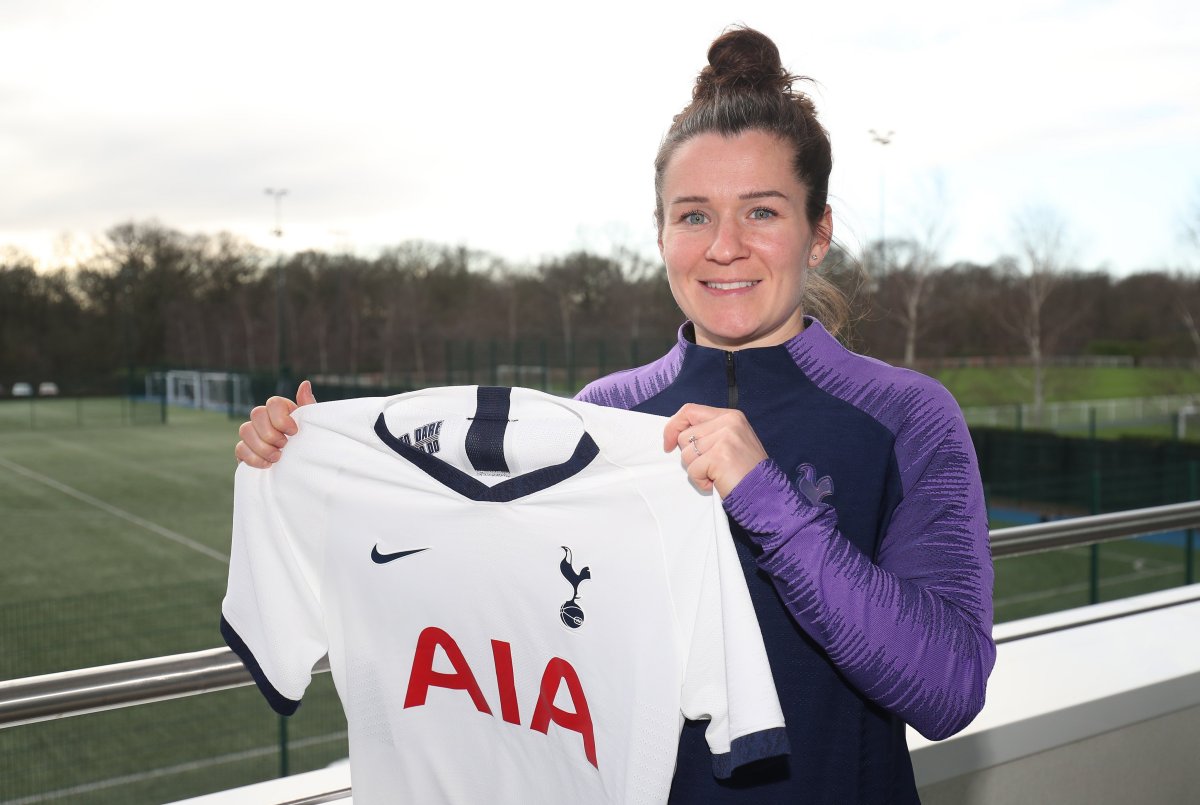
(529, 129)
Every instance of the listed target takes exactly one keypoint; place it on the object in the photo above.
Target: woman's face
(735, 239)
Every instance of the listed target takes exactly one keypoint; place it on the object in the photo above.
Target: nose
(727, 243)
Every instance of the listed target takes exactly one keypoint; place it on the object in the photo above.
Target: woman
(851, 486)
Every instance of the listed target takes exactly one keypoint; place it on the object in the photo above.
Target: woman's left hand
(718, 446)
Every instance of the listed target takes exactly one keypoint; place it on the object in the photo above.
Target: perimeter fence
(64, 413)
(1173, 414)
(1074, 475)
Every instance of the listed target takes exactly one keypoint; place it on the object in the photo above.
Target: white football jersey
(521, 597)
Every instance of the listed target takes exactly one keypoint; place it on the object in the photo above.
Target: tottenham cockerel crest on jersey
(570, 611)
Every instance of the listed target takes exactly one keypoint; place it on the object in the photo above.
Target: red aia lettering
(423, 674)
(502, 657)
(558, 671)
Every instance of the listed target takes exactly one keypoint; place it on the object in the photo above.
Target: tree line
(152, 296)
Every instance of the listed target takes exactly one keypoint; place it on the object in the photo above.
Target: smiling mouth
(730, 286)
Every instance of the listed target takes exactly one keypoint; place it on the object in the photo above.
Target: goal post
(211, 391)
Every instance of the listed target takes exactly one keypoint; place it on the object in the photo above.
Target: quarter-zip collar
(810, 348)
(745, 379)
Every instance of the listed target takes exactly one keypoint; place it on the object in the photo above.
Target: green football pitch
(115, 541)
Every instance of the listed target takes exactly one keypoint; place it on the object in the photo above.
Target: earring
(814, 258)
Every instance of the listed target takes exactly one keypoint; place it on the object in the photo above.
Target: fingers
(253, 448)
(276, 420)
(304, 394)
(718, 449)
(686, 417)
(270, 425)
(698, 470)
(244, 454)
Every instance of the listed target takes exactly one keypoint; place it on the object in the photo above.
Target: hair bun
(742, 59)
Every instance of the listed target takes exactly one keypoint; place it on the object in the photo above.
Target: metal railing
(89, 690)
(1094, 529)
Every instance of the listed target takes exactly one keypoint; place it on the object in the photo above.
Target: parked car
(22, 390)
(47, 389)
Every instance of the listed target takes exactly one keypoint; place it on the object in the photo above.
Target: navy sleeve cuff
(279, 703)
(749, 748)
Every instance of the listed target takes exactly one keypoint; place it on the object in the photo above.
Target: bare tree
(1184, 307)
(901, 287)
(905, 268)
(636, 270)
(1191, 221)
(1040, 234)
(578, 281)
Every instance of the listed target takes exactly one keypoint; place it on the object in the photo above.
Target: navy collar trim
(814, 333)
(503, 492)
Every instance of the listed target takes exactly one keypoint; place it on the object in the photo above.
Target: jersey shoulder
(326, 437)
(626, 438)
(336, 414)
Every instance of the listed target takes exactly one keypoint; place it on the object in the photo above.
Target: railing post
(283, 746)
(1189, 560)
(1094, 585)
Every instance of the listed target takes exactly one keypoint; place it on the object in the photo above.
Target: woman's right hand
(270, 425)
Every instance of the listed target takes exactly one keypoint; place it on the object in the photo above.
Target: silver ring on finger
(692, 441)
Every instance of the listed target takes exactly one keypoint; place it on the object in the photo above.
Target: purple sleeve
(912, 632)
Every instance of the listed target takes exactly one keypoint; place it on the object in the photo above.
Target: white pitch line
(152, 527)
(194, 765)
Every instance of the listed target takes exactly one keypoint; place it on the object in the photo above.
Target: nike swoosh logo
(384, 558)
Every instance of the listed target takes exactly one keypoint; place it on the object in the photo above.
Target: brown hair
(745, 87)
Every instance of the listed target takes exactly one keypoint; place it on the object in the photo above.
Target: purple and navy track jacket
(864, 541)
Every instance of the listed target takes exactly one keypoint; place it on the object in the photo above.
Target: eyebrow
(757, 194)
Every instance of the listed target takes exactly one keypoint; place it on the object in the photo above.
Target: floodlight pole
(282, 379)
(882, 139)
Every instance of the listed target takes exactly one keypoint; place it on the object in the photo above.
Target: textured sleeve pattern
(911, 631)
(632, 387)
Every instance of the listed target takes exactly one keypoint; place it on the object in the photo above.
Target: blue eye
(762, 213)
(694, 218)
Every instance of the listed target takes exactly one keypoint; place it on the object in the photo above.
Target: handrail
(108, 687)
(319, 799)
(89, 690)
(1093, 529)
